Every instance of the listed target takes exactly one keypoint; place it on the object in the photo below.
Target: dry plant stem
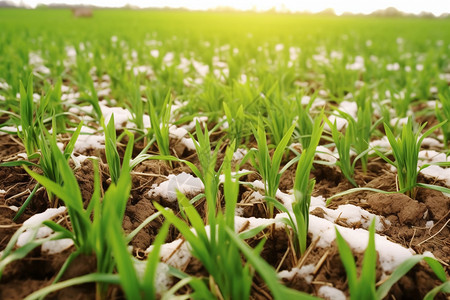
(282, 260)
(321, 261)
(149, 174)
(261, 291)
(442, 228)
(308, 251)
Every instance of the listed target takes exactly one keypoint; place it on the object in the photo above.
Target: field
(218, 155)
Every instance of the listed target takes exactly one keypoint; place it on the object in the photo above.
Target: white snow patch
(304, 272)
(390, 254)
(353, 215)
(57, 246)
(325, 154)
(35, 221)
(331, 293)
(183, 182)
(239, 154)
(87, 140)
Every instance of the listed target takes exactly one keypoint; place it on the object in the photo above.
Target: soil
(408, 226)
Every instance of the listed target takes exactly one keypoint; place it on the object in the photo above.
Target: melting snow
(183, 182)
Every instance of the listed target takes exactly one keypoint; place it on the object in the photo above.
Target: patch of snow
(239, 154)
(13, 208)
(183, 182)
(35, 221)
(353, 215)
(304, 272)
(331, 293)
(177, 132)
(399, 121)
(390, 254)
(325, 154)
(56, 246)
(340, 122)
(87, 140)
(438, 173)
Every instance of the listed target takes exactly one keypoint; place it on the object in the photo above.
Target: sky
(436, 7)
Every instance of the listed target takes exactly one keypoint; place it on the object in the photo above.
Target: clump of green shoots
(267, 167)
(89, 236)
(304, 121)
(303, 187)
(47, 162)
(220, 249)
(229, 278)
(160, 124)
(343, 144)
(363, 127)
(236, 123)
(364, 286)
(280, 113)
(405, 150)
(442, 114)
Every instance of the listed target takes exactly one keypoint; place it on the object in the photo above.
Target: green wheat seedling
(298, 218)
(136, 105)
(267, 167)
(88, 236)
(47, 162)
(111, 153)
(135, 286)
(364, 285)
(405, 150)
(304, 122)
(219, 255)
(442, 114)
(236, 124)
(267, 272)
(280, 114)
(364, 127)
(28, 121)
(343, 144)
(160, 124)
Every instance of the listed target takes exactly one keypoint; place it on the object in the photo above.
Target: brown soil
(408, 218)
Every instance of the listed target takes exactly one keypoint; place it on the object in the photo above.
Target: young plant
(160, 124)
(267, 167)
(89, 236)
(136, 105)
(405, 150)
(236, 124)
(47, 162)
(304, 122)
(268, 274)
(343, 144)
(364, 286)
(28, 121)
(442, 114)
(299, 215)
(212, 245)
(363, 128)
(112, 156)
(280, 113)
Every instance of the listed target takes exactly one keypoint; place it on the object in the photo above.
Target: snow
(87, 140)
(304, 272)
(239, 155)
(326, 154)
(331, 293)
(390, 254)
(433, 171)
(353, 215)
(57, 246)
(35, 221)
(183, 182)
